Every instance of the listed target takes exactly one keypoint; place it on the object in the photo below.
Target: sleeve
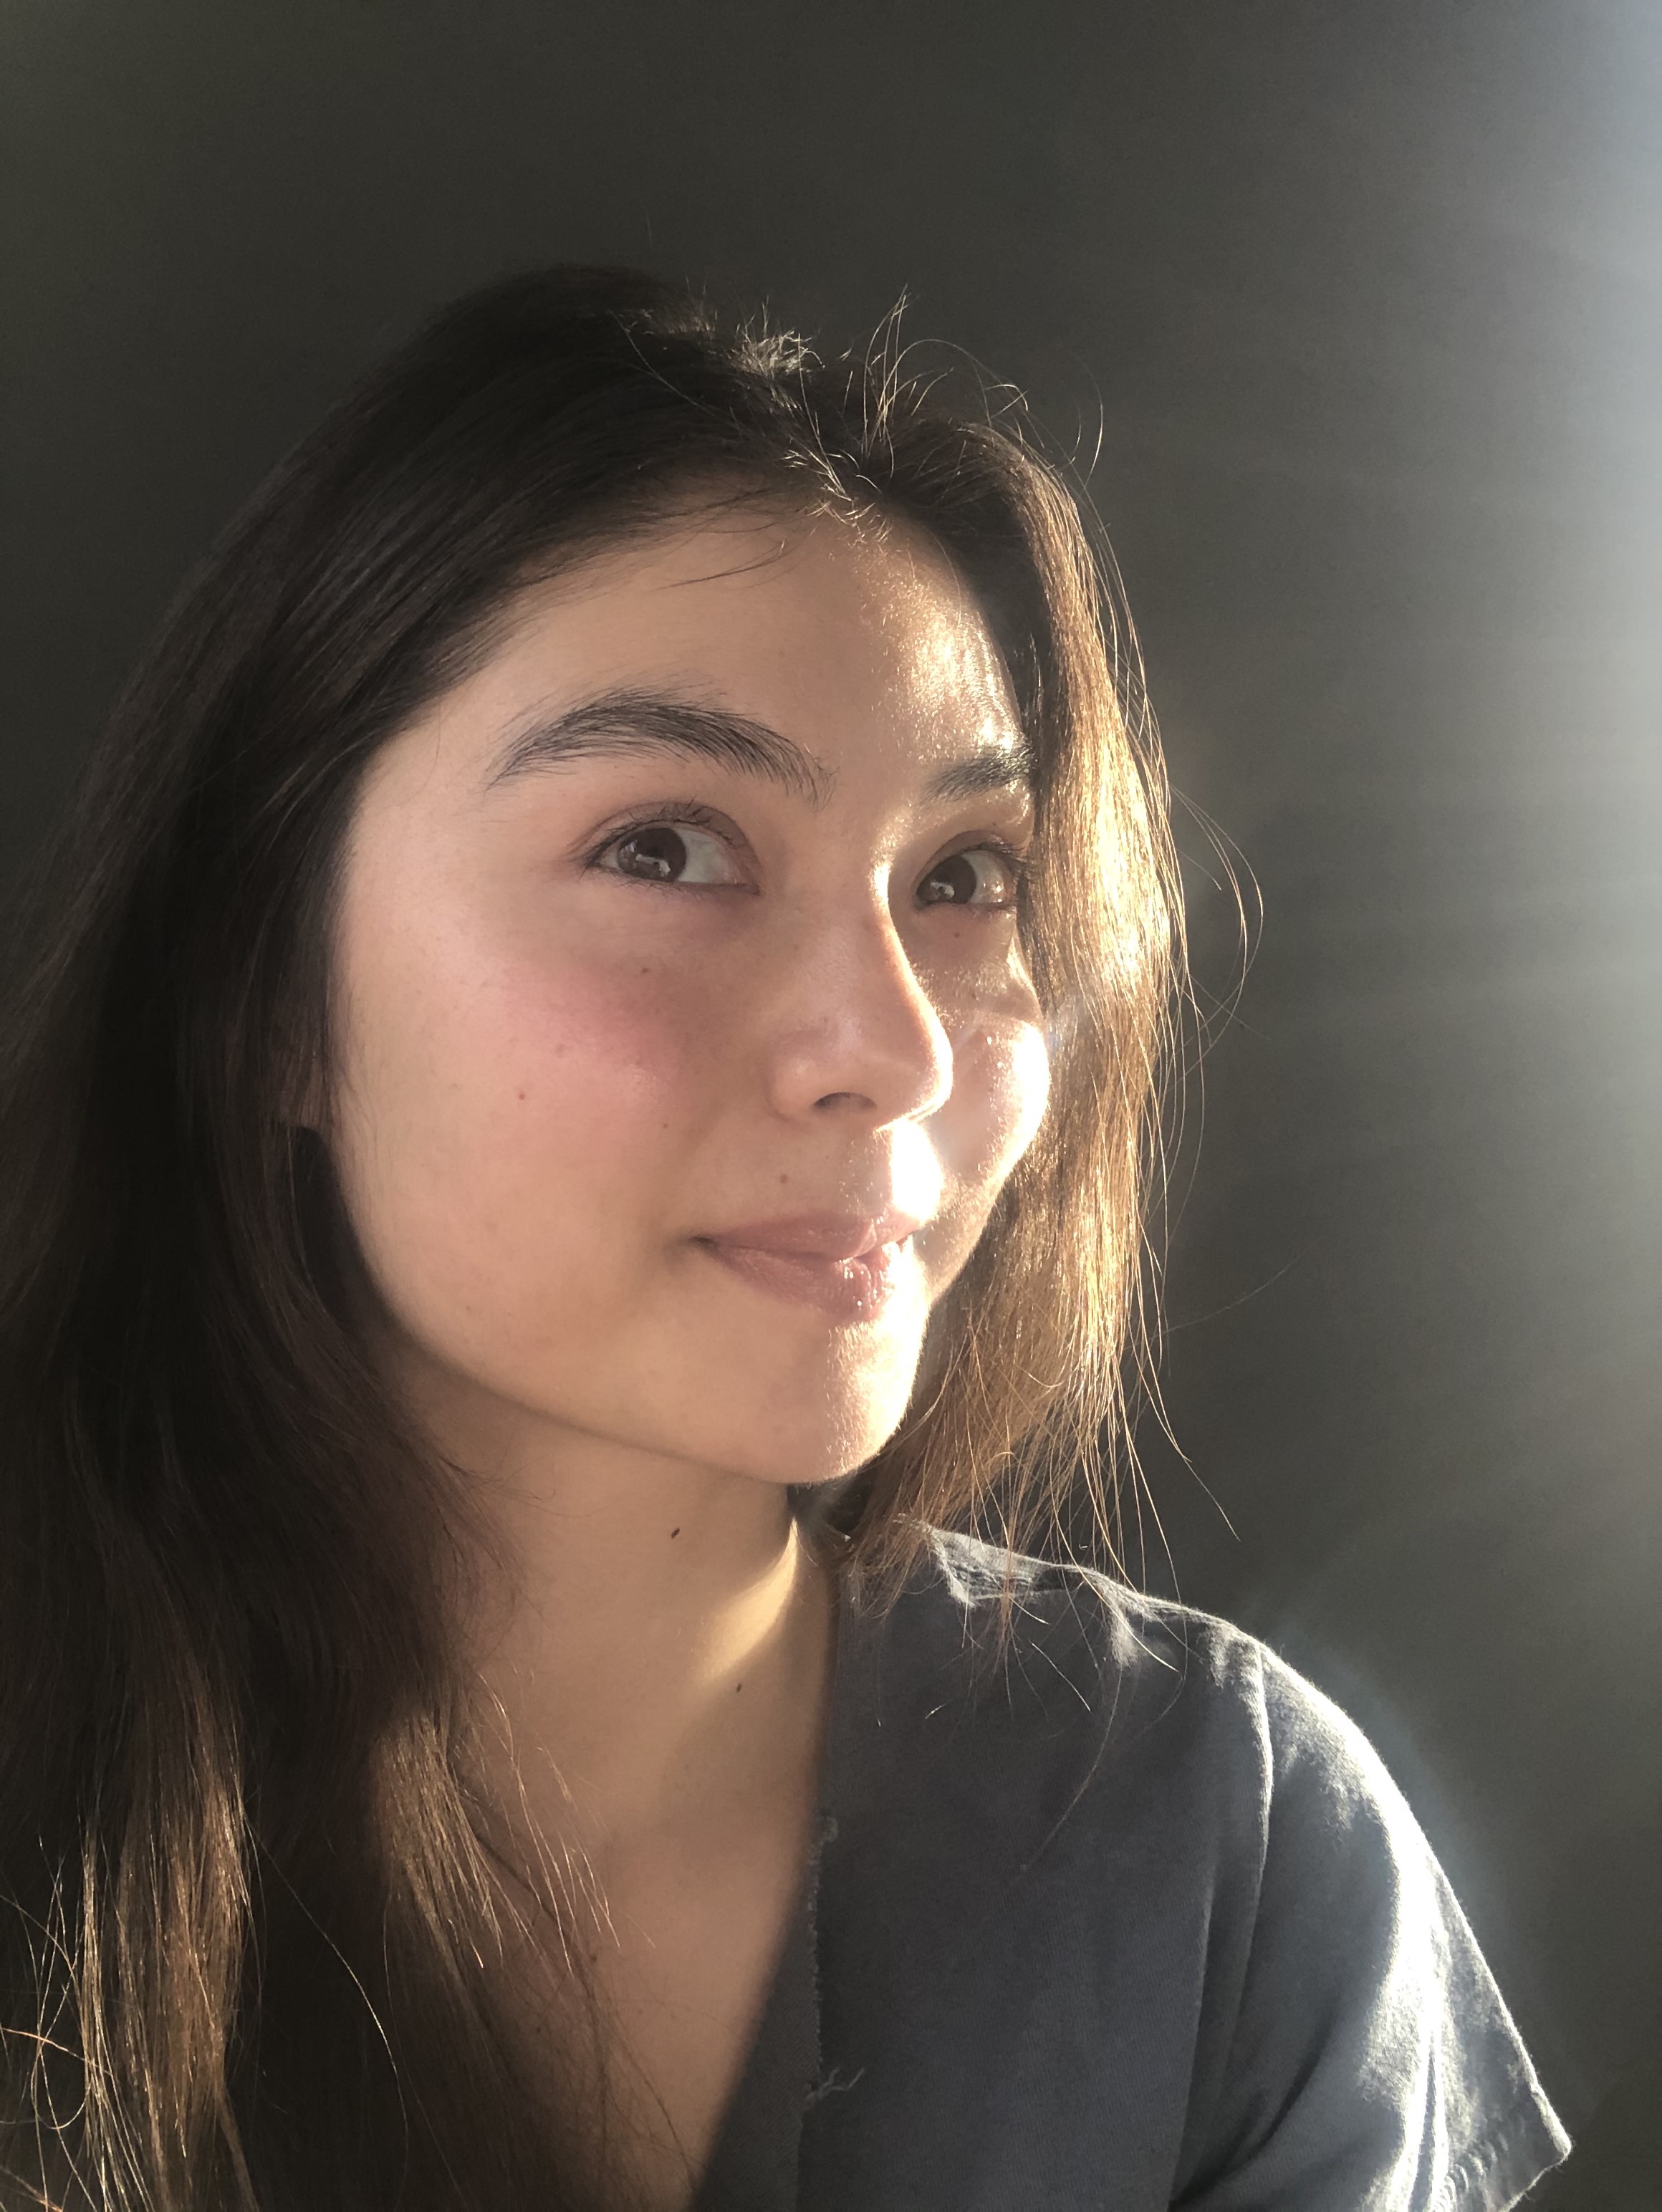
(1372, 2066)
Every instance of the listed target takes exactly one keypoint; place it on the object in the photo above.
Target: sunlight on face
(685, 1040)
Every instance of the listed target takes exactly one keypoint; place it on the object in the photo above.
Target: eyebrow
(994, 770)
(625, 720)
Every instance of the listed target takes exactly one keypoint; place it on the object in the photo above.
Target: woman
(586, 1097)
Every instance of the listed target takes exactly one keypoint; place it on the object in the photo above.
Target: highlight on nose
(867, 1039)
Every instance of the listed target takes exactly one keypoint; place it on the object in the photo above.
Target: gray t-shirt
(1130, 1918)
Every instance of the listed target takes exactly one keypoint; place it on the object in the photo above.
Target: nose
(858, 1034)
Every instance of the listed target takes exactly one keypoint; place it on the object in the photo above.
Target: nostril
(855, 1098)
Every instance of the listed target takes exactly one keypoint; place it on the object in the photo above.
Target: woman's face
(684, 1037)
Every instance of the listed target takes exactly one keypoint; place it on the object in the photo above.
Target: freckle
(522, 1094)
(673, 1534)
(737, 1687)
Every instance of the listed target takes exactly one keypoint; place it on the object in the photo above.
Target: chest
(683, 1975)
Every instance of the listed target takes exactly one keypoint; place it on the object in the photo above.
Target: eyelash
(1019, 864)
(695, 815)
(670, 816)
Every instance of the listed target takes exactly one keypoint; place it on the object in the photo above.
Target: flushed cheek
(617, 1053)
(520, 1120)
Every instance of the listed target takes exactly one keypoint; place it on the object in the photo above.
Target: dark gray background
(1367, 299)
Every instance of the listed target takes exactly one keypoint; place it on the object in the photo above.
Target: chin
(809, 1422)
(815, 1451)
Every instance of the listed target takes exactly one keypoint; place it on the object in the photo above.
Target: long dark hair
(244, 1880)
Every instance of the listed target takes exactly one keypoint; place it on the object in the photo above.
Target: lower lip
(844, 1290)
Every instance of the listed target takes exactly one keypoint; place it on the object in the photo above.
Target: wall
(1365, 308)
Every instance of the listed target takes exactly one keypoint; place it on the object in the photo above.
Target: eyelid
(1017, 858)
(695, 814)
(671, 813)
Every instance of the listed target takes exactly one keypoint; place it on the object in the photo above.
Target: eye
(670, 853)
(982, 877)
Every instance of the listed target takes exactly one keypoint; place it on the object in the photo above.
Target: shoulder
(1184, 1740)
(1065, 1651)
(1068, 1714)
(981, 1598)
(1229, 1855)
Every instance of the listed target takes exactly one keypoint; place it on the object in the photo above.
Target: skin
(570, 1096)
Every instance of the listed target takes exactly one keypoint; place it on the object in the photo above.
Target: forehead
(862, 644)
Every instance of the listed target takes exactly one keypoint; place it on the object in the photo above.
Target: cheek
(513, 1122)
(1000, 1087)
(604, 1054)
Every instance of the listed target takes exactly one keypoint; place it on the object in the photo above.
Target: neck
(663, 1661)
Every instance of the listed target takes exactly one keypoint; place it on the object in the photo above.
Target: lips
(845, 1266)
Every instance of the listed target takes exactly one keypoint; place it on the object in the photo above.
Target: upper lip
(819, 1235)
